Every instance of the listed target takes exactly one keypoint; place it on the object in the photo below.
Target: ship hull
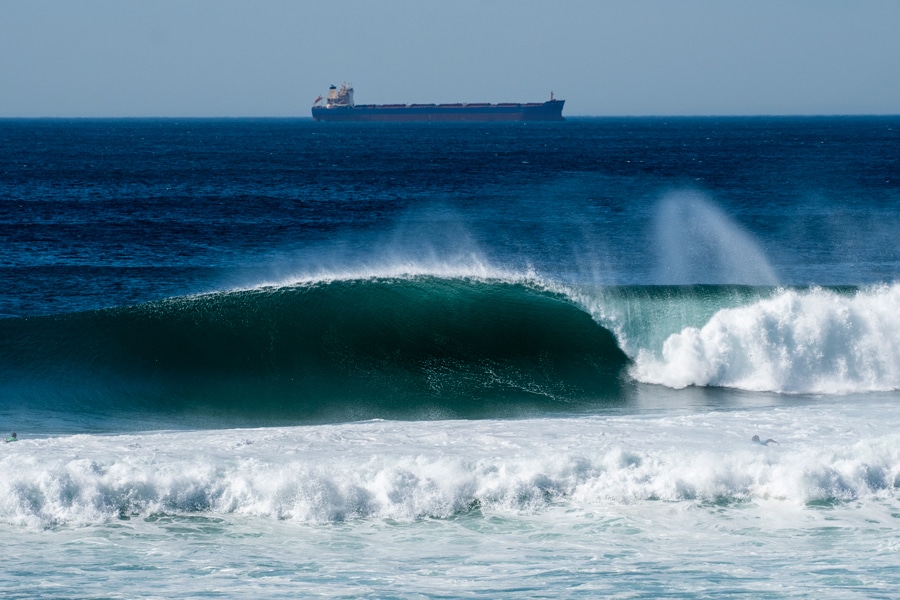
(427, 113)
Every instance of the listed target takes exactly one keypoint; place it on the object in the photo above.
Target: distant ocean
(282, 359)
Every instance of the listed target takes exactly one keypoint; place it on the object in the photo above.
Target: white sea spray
(817, 341)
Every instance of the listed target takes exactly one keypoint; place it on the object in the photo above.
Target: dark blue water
(98, 213)
(356, 247)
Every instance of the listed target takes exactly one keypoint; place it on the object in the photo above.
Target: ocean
(281, 359)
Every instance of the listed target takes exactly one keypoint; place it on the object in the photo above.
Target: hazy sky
(117, 58)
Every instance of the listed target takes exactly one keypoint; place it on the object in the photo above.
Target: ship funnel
(340, 97)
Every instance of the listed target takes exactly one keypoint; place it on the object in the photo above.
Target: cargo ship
(339, 106)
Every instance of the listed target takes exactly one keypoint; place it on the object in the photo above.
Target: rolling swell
(420, 347)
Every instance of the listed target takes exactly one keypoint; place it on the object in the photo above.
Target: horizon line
(584, 116)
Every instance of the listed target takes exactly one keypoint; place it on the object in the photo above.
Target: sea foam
(817, 341)
(410, 471)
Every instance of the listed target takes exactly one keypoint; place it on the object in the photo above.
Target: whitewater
(520, 508)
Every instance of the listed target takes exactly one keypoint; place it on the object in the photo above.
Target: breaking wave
(413, 347)
(334, 473)
(815, 341)
(437, 347)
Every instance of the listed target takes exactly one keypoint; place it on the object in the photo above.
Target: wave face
(796, 341)
(416, 347)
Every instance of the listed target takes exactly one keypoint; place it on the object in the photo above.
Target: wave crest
(817, 341)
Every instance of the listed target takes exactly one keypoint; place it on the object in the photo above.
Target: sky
(271, 58)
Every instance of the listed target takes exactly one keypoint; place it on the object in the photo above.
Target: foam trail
(817, 341)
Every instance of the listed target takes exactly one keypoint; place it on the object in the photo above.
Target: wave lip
(817, 341)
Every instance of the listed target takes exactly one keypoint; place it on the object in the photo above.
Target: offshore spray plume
(698, 243)
(432, 240)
